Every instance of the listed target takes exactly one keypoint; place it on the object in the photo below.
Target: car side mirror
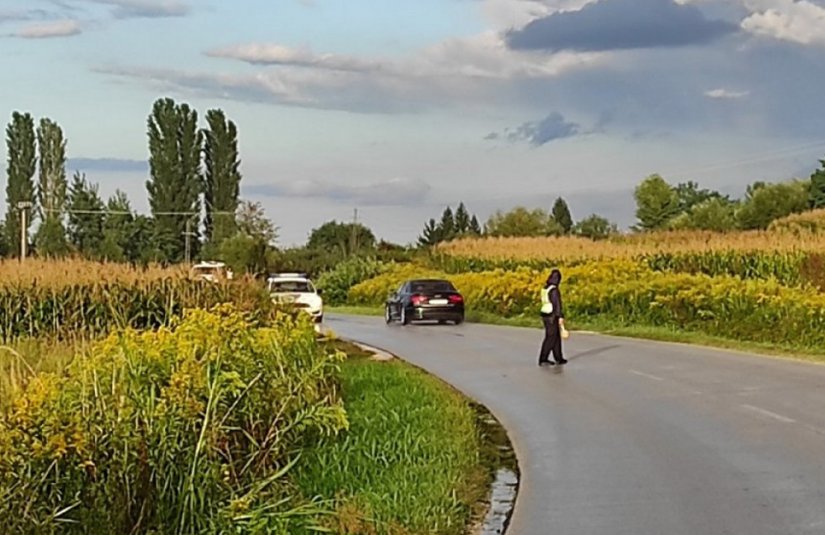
(319, 291)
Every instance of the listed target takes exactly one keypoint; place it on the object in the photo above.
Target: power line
(751, 158)
(776, 154)
(123, 212)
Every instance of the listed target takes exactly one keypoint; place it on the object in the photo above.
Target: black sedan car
(425, 300)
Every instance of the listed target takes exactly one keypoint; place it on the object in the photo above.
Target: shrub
(189, 429)
(628, 292)
(337, 282)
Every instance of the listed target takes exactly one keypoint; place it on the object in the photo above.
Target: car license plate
(438, 301)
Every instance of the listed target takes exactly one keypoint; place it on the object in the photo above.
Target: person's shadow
(594, 351)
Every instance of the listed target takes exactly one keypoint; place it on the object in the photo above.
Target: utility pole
(23, 206)
(354, 234)
(188, 235)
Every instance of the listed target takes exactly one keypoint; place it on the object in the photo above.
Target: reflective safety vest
(546, 304)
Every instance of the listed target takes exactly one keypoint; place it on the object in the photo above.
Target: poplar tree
(175, 182)
(51, 191)
(20, 169)
(222, 177)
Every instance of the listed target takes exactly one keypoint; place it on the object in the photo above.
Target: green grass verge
(412, 460)
(646, 332)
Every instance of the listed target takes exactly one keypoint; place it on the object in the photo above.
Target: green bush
(337, 282)
(186, 430)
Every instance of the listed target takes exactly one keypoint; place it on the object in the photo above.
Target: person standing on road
(552, 314)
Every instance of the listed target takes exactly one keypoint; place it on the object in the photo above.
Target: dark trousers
(552, 339)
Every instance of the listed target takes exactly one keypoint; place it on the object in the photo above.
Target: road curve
(637, 437)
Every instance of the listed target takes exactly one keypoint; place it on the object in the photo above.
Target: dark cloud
(131, 9)
(110, 165)
(659, 91)
(396, 192)
(538, 133)
(620, 24)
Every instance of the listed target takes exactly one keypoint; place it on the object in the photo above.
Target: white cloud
(393, 192)
(124, 9)
(481, 56)
(507, 14)
(487, 56)
(274, 54)
(788, 20)
(456, 71)
(722, 93)
(61, 28)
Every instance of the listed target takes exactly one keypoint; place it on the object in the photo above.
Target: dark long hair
(554, 279)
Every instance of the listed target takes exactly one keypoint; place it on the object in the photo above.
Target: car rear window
(290, 286)
(432, 287)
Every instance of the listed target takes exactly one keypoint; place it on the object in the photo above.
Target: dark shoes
(553, 363)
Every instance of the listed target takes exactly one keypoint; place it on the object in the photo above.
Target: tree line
(659, 206)
(519, 221)
(686, 206)
(193, 192)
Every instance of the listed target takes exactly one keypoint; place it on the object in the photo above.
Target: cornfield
(82, 300)
(791, 256)
(804, 223)
(38, 272)
(631, 293)
(567, 249)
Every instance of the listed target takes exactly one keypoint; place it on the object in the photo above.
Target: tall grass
(409, 463)
(187, 430)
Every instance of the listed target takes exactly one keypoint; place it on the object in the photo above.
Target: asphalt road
(637, 437)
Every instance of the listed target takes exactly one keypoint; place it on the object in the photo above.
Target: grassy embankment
(416, 458)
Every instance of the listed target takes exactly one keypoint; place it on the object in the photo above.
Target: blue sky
(401, 108)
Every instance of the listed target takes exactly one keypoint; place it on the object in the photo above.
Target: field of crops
(792, 252)
(148, 402)
(787, 236)
(762, 287)
(81, 300)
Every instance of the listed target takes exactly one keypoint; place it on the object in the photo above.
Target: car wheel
(459, 321)
(387, 314)
(405, 320)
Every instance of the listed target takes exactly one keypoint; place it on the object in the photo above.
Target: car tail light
(456, 299)
(418, 300)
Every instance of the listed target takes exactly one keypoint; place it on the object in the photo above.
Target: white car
(297, 289)
(212, 271)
